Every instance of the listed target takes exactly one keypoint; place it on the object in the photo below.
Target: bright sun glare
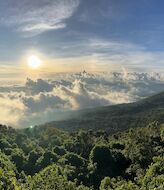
(34, 62)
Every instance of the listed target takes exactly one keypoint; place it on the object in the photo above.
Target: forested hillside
(116, 118)
(46, 158)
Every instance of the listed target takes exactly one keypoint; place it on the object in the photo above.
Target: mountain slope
(118, 117)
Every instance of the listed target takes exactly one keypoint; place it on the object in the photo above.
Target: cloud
(35, 87)
(100, 54)
(35, 17)
(42, 100)
(12, 110)
(80, 97)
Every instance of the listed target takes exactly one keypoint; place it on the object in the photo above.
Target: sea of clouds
(42, 100)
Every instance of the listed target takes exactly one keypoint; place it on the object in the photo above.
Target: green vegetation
(46, 158)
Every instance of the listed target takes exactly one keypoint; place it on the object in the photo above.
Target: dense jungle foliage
(46, 158)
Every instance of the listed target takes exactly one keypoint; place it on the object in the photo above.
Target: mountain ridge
(116, 117)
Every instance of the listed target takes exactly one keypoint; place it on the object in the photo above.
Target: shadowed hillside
(118, 117)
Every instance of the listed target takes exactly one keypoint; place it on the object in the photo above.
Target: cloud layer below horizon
(41, 101)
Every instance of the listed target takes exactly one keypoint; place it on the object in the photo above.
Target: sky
(47, 45)
(76, 35)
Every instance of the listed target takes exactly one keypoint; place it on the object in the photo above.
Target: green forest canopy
(48, 158)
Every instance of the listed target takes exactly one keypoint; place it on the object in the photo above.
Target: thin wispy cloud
(35, 17)
(105, 54)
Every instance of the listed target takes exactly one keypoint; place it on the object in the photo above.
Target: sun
(34, 62)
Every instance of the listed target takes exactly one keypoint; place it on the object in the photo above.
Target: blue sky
(88, 34)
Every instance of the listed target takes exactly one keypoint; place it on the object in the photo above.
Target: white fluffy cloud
(79, 97)
(12, 110)
(47, 100)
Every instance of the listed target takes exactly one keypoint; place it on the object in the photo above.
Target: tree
(51, 178)
(46, 159)
(155, 175)
(114, 184)
(102, 164)
(102, 157)
(7, 174)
